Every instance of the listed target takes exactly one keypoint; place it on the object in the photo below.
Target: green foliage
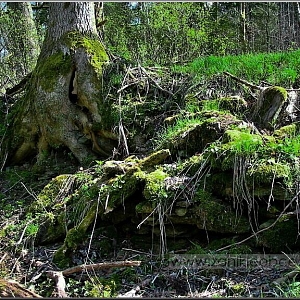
(57, 63)
(95, 287)
(156, 33)
(290, 290)
(32, 229)
(92, 46)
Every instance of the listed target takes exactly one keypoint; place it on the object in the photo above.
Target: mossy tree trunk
(63, 104)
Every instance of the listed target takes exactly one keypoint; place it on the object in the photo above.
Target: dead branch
(253, 86)
(11, 288)
(155, 83)
(133, 292)
(19, 87)
(99, 266)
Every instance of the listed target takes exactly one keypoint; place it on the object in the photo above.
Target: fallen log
(12, 289)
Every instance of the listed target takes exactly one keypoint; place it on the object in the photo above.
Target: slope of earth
(193, 178)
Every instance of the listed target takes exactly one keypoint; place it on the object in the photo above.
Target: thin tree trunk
(243, 38)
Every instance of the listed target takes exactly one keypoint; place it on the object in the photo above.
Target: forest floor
(29, 264)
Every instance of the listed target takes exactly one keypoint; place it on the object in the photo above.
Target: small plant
(32, 229)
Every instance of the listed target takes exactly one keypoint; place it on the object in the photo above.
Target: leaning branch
(19, 87)
(253, 86)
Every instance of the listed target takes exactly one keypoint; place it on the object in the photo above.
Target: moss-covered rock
(214, 215)
(51, 194)
(268, 171)
(283, 236)
(234, 104)
(154, 189)
(193, 137)
(287, 131)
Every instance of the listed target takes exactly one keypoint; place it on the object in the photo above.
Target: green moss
(218, 217)
(154, 158)
(242, 142)
(272, 91)
(190, 136)
(283, 236)
(93, 47)
(287, 131)
(144, 207)
(74, 237)
(192, 164)
(62, 258)
(267, 170)
(46, 199)
(234, 104)
(155, 186)
(51, 67)
(55, 228)
(274, 98)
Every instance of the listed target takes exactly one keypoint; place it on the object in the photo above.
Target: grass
(180, 127)
(280, 68)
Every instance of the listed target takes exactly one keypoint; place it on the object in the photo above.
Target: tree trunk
(20, 38)
(243, 38)
(63, 105)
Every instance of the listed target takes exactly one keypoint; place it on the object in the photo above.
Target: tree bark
(243, 38)
(63, 105)
(21, 38)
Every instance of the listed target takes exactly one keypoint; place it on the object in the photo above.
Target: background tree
(63, 105)
(19, 41)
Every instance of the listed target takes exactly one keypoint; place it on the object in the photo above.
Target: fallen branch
(155, 83)
(133, 292)
(253, 86)
(11, 288)
(99, 266)
(256, 87)
(58, 276)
